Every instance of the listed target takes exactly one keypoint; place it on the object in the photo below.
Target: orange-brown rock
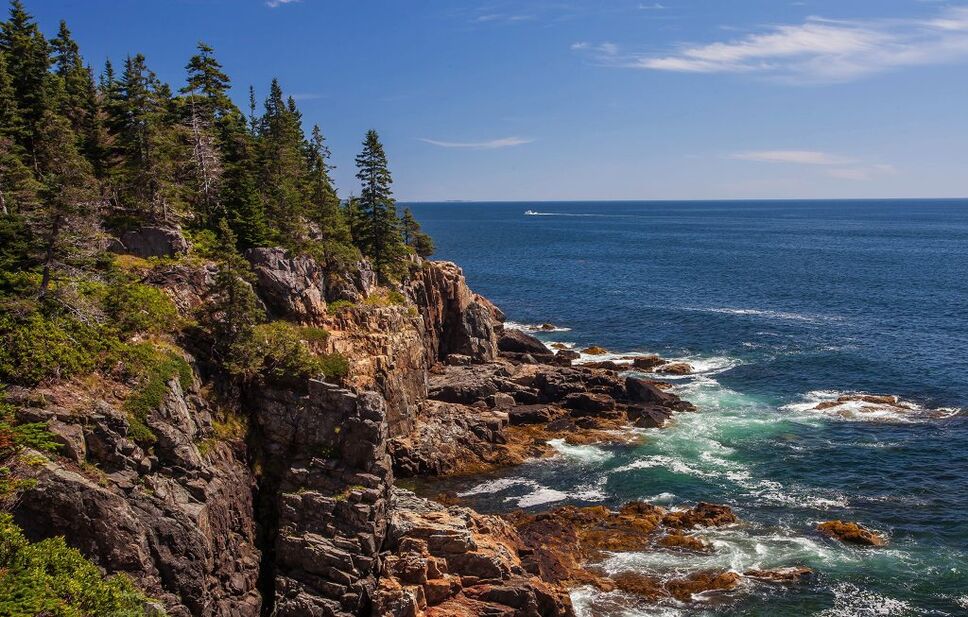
(675, 368)
(702, 515)
(647, 362)
(595, 350)
(683, 589)
(682, 541)
(781, 575)
(851, 533)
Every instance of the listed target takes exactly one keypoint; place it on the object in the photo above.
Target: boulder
(684, 542)
(646, 363)
(595, 350)
(565, 353)
(516, 341)
(794, 574)
(150, 242)
(589, 402)
(851, 533)
(649, 416)
(290, 286)
(643, 391)
(702, 515)
(531, 414)
(675, 368)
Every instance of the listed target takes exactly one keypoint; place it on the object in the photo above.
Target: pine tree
(414, 237)
(381, 238)
(233, 309)
(146, 143)
(66, 219)
(79, 97)
(18, 188)
(28, 60)
(335, 240)
(240, 195)
(282, 168)
(208, 102)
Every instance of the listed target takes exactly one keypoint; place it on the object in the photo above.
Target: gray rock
(151, 242)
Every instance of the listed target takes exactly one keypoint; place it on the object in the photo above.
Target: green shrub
(134, 307)
(279, 349)
(36, 348)
(50, 578)
(339, 305)
(152, 368)
(387, 298)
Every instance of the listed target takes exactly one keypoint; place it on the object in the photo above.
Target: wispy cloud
(821, 50)
(494, 144)
(655, 6)
(840, 167)
(603, 49)
(503, 17)
(799, 157)
(274, 3)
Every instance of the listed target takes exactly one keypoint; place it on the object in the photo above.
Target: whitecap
(852, 601)
(768, 314)
(585, 454)
(496, 486)
(539, 496)
(841, 405)
(528, 327)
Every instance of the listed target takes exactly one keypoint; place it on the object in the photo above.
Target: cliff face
(177, 520)
(293, 516)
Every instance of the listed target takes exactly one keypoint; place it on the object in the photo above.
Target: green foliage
(390, 297)
(49, 578)
(379, 233)
(338, 306)
(151, 368)
(281, 350)
(135, 307)
(15, 437)
(36, 348)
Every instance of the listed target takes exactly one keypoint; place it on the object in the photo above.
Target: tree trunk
(49, 254)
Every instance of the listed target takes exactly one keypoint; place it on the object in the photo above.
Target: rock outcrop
(176, 519)
(851, 533)
(150, 242)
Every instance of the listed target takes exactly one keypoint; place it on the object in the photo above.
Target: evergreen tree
(78, 97)
(233, 309)
(381, 238)
(18, 189)
(414, 237)
(28, 60)
(207, 91)
(282, 168)
(335, 240)
(146, 141)
(65, 220)
(240, 195)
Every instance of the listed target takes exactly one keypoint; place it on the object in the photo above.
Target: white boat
(530, 213)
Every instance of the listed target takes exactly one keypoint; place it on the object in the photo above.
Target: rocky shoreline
(296, 511)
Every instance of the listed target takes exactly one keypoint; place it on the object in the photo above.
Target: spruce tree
(208, 103)
(28, 60)
(335, 240)
(240, 194)
(381, 238)
(65, 221)
(414, 237)
(78, 97)
(282, 168)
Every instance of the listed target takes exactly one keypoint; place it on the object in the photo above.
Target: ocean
(778, 305)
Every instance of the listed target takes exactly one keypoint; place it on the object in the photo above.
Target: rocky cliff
(277, 496)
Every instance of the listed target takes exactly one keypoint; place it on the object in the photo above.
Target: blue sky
(581, 99)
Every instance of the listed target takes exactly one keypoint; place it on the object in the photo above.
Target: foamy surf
(530, 327)
(865, 407)
(584, 454)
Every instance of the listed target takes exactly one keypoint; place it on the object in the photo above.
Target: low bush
(338, 306)
(36, 348)
(152, 368)
(134, 308)
(279, 349)
(50, 578)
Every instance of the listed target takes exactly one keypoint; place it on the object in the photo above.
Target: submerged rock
(793, 574)
(675, 368)
(595, 350)
(702, 515)
(851, 533)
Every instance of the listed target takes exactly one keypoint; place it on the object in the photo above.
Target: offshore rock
(851, 533)
(516, 341)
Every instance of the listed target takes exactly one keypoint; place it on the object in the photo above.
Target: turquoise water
(778, 305)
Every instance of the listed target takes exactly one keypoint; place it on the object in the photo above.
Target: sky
(590, 99)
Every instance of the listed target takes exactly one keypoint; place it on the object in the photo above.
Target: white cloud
(655, 6)
(799, 157)
(505, 142)
(602, 49)
(821, 50)
(274, 3)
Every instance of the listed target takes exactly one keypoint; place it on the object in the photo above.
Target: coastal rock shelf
(296, 512)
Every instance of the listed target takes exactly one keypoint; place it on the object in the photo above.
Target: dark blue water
(778, 305)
